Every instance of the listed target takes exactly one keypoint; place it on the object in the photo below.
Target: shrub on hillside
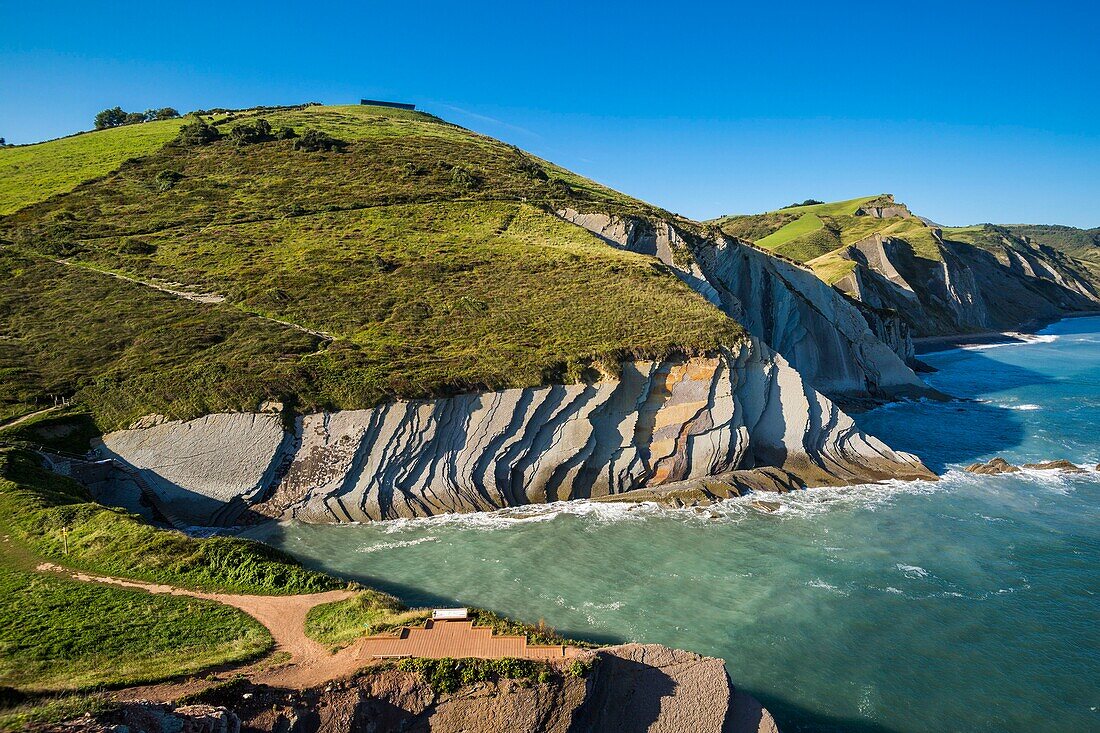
(807, 202)
(464, 179)
(166, 179)
(250, 133)
(197, 133)
(285, 133)
(313, 141)
(136, 247)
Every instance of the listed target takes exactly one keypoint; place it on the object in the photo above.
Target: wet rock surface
(995, 466)
(1000, 465)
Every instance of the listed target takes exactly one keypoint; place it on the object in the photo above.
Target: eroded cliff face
(823, 336)
(967, 288)
(659, 422)
(632, 688)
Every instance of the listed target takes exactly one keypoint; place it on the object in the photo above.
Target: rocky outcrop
(1004, 284)
(633, 688)
(1058, 465)
(660, 422)
(1000, 465)
(823, 336)
(993, 467)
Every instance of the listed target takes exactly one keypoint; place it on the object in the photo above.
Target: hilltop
(937, 280)
(417, 259)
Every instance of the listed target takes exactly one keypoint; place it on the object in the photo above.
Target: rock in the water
(997, 465)
(1060, 465)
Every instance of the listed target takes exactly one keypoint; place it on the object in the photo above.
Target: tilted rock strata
(823, 336)
(969, 288)
(661, 422)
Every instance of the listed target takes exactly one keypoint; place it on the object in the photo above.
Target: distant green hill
(815, 234)
(1081, 243)
(422, 259)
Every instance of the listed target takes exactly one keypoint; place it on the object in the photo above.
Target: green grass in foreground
(57, 634)
(30, 173)
(369, 612)
(53, 517)
(40, 711)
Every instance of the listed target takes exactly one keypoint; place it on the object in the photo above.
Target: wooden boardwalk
(439, 639)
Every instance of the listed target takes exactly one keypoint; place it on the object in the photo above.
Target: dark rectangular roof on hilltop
(379, 103)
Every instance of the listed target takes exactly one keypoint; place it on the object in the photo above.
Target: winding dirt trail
(310, 663)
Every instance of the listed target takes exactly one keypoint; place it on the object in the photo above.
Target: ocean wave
(792, 505)
(1018, 339)
(395, 545)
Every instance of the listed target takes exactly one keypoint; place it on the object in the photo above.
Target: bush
(136, 247)
(314, 141)
(166, 179)
(807, 202)
(464, 179)
(285, 133)
(164, 113)
(250, 133)
(449, 675)
(197, 133)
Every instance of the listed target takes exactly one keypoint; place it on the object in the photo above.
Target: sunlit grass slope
(431, 255)
(30, 173)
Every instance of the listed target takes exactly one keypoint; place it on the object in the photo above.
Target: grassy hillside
(429, 254)
(30, 173)
(53, 519)
(816, 234)
(1083, 244)
(58, 634)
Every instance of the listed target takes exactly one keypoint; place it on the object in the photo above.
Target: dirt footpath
(310, 663)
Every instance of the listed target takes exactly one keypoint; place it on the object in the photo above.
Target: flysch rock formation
(840, 350)
(968, 289)
(633, 688)
(660, 422)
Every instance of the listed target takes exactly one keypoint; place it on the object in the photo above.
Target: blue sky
(967, 111)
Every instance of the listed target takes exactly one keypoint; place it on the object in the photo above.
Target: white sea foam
(819, 583)
(1019, 339)
(912, 571)
(792, 505)
(395, 545)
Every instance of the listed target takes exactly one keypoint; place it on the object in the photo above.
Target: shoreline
(934, 344)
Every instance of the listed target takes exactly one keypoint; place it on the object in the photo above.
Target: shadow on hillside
(962, 431)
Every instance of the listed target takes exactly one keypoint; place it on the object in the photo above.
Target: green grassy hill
(1084, 244)
(817, 234)
(416, 259)
(30, 173)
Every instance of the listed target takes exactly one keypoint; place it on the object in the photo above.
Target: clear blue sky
(968, 111)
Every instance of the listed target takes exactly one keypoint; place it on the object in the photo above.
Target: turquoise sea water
(970, 604)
